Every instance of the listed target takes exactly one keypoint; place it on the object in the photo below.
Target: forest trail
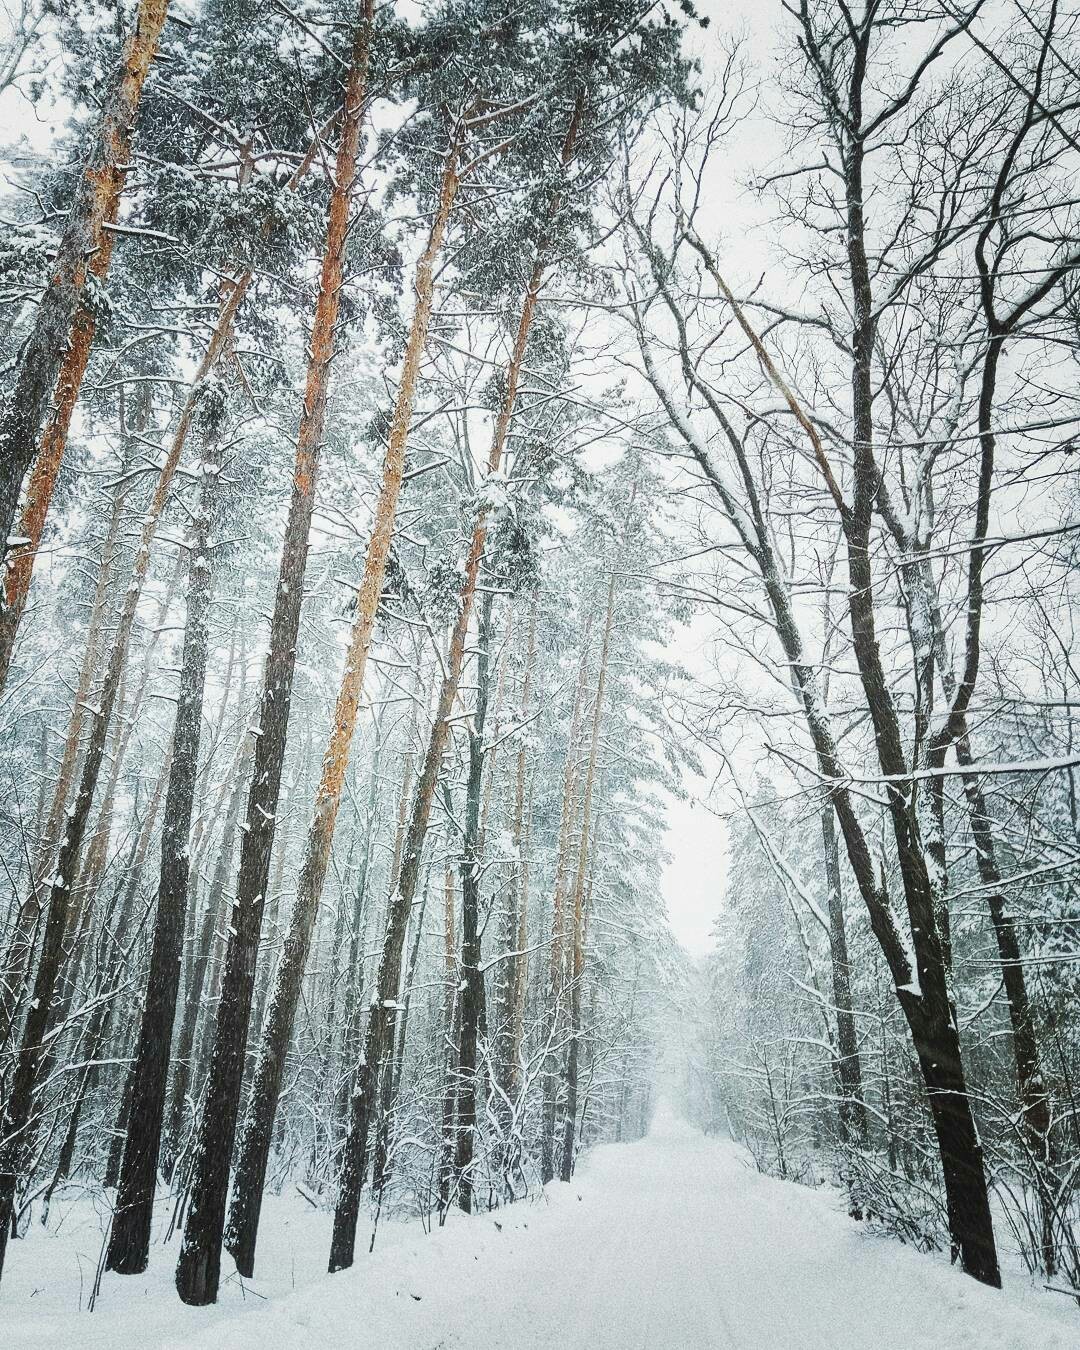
(670, 1243)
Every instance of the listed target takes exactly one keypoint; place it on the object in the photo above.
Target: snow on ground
(671, 1243)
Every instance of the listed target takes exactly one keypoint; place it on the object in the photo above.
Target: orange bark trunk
(20, 562)
(56, 354)
(262, 1107)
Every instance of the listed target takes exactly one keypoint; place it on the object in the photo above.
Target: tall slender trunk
(198, 1269)
(577, 953)
(213, 806)
(54, 358)
(354, 976)
(79, 922)
(21, 940)
(101, 613)
(451, 1006)
(200, 965)
(129, 1241)
(395, 1067)
(472, 993)
(513, 969)
(116, 1144)
(381, 1021)
(134, 877)
(556, 992)
(110, 965)
(270, 945)
(334, 963)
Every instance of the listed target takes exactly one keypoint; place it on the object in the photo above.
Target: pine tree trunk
(129, 1241)
(134, 877)
(379, 1036)
(392, 1077)
(270, 934)
(518, 907)
(505, 969)
(109, 971)
(198, 1269)
(20, 942)
(472, 994)
(75, 939)
(213, 807)
(88, 673)
(451, 1007)
(577, 955)
(556, 991)
(46, 468)
(116, 1146)
(200, 965)
(54, 358)
(350, 1021)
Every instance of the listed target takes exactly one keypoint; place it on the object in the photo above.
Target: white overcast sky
(693, 882)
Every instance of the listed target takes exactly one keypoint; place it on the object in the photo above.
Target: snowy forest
(465, 466)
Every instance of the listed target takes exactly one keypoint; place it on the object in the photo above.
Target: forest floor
(670, 1243)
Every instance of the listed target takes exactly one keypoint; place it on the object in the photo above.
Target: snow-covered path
(672, 1243)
